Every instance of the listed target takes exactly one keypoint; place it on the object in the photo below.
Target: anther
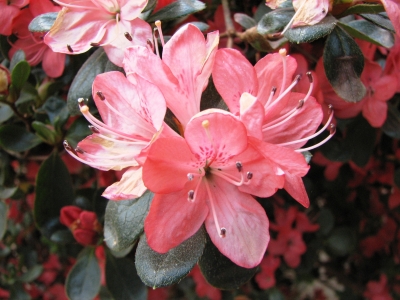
(70, 48)
(205, 124)
(239, 166)
(68, 147)
(283, 52)
(330, 109)
(101, 96)
(79, 150)
(222, 232)
(191, 195)
(128, 36)
(150, 44)
(273, 91)
(94, 129)
(297, 78)
(301, 103)
(332, 129)
(95, 44)
(249, 175)
(310, 78)
(81, 102)
(190, 176)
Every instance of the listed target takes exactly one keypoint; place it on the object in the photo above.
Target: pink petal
(375, 112)
(233, 75)
(38, 7)
(245, 221)
(385, 88)
(130, 186)
(295, 187)
(53, 63)
(131, 9)
(309, 12)
(392, 8)
(252, 115)
(172, 219)
(11, 12)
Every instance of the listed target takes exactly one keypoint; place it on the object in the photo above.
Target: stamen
(228, 177)
(156, 44)
(221, 230)
(191, 196)
(330, 109)
(68, 147)
(150, 45)
(128, 36)
(94, 129)
(332, 129)
(288, 89)
(310, 78)
(301, 103)
(70, 48)
(95, 44)
(249, 175)
(158, 24)
(101, 96)
(239, 166)
(271, 95)
(190, 176)
(79, 150)
(283, 54)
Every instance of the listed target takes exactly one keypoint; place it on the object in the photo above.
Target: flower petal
(252, 115)
(295, 187)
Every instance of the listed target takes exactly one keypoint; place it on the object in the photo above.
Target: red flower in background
(378, 290)
(10, 9)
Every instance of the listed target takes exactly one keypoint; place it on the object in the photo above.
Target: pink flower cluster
(210, 168)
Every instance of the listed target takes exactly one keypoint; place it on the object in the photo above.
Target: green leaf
(157, 270)
(220, 271)
(62, 236)
(20, 74)
(54, 107)
(78, 131)
(342, 241)
(3, 218)
(43, 22)
(363, 9)
(83, 281)
(6, 192)
(275, 21)
(381, 20)
(177, 9)
(244, 20)
(151, 4)
(344, 63)
(17, 292)
(326, 221)
(307, 34)
(16, 138)
(33, 273)
(81, 86)
(124, 221)
(367, 31)
(18, 56)
(392, 124)
(54, 190)
(47, 134)
(5, 112)
(122, 279)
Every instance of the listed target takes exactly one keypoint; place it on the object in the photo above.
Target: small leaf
(392, 124)
(5, 112)
(244, 20)
(7, 192)
(83, 281)
(151, 4)
(81, 86)
(17, 292)
(344, 63)
(18, 139)
(47, 134)
(122, 279)
(220, 271)
(124, 221)
(54, 107)
(307, 34)
(367, 31)
(54, 190)
(157, 270)
(18, 56)
(177, 9)
(3, 218)
(20, 74)
(381, 20)
(342, 241)
(78, 131)
(43, 23)
(363, 9)
(275, 21)
(33, 273)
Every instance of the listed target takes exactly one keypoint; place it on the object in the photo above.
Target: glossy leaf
(33, 273)
(274, 21)
(55, 108)
(220, 271)
(83, 281)
(381, 20)
(43, 23)
(368, 31)
(54, 190)
(177, 9)
(124, 221)
(307, 34)
(3, 218)
(18, 56)
(157, 270)
(123, 282)
(47, 134)
(342, 241)
(244, 20)
(391, 127)
(363, 9)
(17, 292)
(16, 138)
(81, 86)
(5, 112)
(7, 192)
(20, 74)
(344, 63)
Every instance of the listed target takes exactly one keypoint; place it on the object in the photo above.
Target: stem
(228, 23)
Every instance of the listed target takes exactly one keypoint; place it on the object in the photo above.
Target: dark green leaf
(367, 31)
(381, 20)
(4, 46)
(33, 273)
(363, 9)
(43, 23)
(54, 107)
(274, 21)
(261, 10)
(124, 221)
(3, 218)
(220, 271)
(177, 9)
(342, 241)
(18, 56)
(62, 236)
(47, 134)
(122, 279)
(20, 74)
(16, 138)
(244, 20)
(361, 139)
(157, 270)
(392, 124)
(7, 192)
(344, 63)
(81, 86)
(326, 221)
(307, 34)
(210, 98)
(54, 190)
(151, 4)
(83, 281)
(17, 292)
(5, 112)
(396, 179)
(275, 294)
(78, 131)
(200, 25)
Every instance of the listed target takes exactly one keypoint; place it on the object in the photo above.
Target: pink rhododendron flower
(10, 9)
(183, 72)
(113, 25)
(266, 278)
(32, 44)
(392, 8)
(378, 290)
(211, 182)
(261, 97)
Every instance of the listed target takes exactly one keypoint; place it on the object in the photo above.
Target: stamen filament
(283, 53)
(228, 178)
(221, 230)
(331, 133)
(158, 24)
(288, 89)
